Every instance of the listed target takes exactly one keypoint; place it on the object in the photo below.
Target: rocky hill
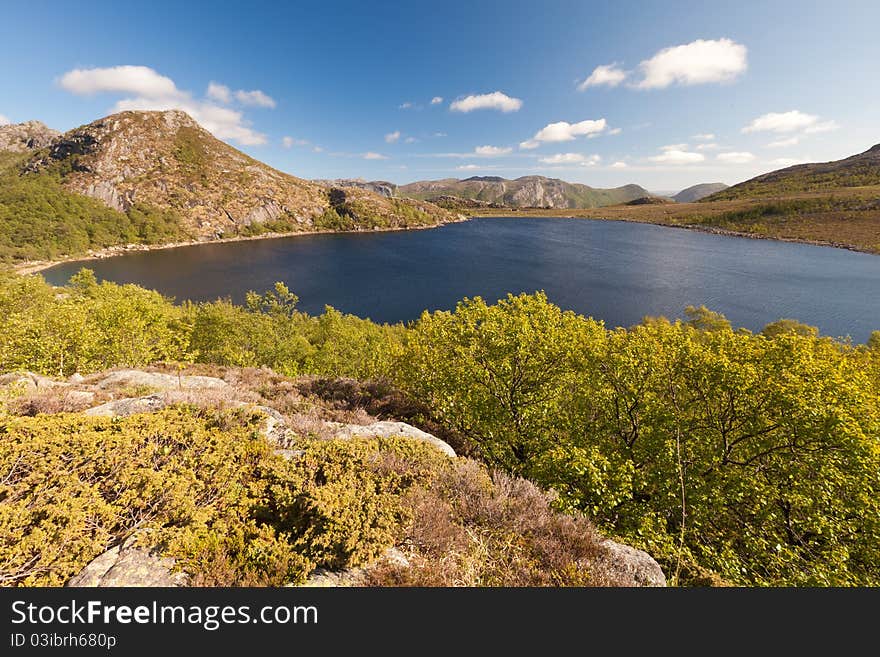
(856, 171)
(167, 160)
(24, 137)
(696, 192)
(527, 191)
(650, 200)
(380, 187)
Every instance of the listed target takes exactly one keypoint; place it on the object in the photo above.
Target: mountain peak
(27, 136)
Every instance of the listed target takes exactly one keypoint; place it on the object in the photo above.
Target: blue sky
(687, 92)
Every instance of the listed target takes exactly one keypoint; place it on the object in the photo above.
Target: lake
(610, 270)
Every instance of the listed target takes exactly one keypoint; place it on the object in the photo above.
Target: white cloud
(392, 137)
(436, 100)
(609, 75)
(152, 91)
(139, 80)
(674, 156)
(468, 167)
(704, 136)
(571, 158)
(317, 149)
(788, 161)
(219, 92)
(255, 97)
(674, 147)
(439, 134)
(782, 122)
(699, 62)
(491, 151)
(495, 101)
(615, 131)
(410, 140)
(374, 156)
(735, 157)
(406, 105)
(4, 120)
(782, 143)
(565, 131)
(710, 146)
(619, 165)
(290, 142)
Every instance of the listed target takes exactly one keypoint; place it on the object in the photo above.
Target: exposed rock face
(24, 137)
(380, 187)
(127, 565)
(167, 161)
(29, 381)
(387, 428)
(528, 191)
(631, 567)
(323, 578)
(128, 406)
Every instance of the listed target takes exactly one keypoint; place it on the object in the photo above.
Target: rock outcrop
(387, 429)
(129, 565)
(24, 137)
(157, 380)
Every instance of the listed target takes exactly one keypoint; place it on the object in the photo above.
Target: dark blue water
(615, 271)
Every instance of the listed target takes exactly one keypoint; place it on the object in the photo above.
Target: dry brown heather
(846, 217)
(168, 161)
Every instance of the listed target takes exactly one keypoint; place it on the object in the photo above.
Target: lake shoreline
(714, 230)
(25, 269)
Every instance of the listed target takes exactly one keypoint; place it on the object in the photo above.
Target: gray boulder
(629, 566)
(386, 429)
(323, 578)
(128, 406)
(127, 565)
(29, 381)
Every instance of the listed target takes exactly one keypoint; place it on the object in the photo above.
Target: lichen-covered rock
(629, 566)
(323, 578)
(29, 381)
(387, 428)
(128, 565)
(128, 406)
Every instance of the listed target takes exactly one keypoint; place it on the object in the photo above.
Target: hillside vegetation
(730, 457)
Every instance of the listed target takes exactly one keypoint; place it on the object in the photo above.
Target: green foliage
(39, 219)
(722, 453)
(331, 219)
(789, 326)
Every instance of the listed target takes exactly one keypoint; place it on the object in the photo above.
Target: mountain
(157, 177)
(856, 171)
(696, 192)
(380, 187)
(528, 191)
(24, 137)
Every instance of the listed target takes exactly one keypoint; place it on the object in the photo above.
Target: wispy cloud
(496, 100)
(703, 136)
(370, 155)
(436, 100)
(289, 142)
(491, 151)
(607, 75)
(620, 164)
(788, 122)
(571, 158)
(783, 143)
(392, 137)
(735, 157)
(4, 120)
(676, 156)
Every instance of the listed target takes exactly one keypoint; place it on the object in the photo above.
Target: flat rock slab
(386, 429)
(127, 565)
(128, 406)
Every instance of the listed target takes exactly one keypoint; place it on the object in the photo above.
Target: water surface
(615, 271)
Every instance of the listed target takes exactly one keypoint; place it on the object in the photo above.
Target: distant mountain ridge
(527, 191)
(854, 171)
(696, 192)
